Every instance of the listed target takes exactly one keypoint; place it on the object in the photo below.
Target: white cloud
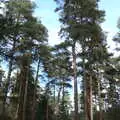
(111, 44)
(53, 36)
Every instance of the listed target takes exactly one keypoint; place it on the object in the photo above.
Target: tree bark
(58, 100)
(100, 101)
(54, 94)
(25, 95)
(63, 92)
(18, 105)
(35, 90)
(89, 115)
(75, 82)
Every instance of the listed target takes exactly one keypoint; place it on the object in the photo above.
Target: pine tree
(81, 21)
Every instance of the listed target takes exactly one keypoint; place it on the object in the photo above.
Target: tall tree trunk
(18, 105)
(25, 94)
(58, 100)
(35, 90)
(75, 82)
(84, 88)
(100, 101)
(89, 115)
(24, 78)
(63, 92)
(54, 95)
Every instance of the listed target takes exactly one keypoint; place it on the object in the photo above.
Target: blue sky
(45, 11)
(112, 9)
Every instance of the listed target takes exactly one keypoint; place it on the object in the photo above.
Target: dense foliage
(77, 79)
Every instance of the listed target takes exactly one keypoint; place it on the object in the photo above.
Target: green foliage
(83, 53)
(63, 113)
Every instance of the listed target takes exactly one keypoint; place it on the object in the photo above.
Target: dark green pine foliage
(81, 24)
(24, 35)
(111, 74)
(116, 66)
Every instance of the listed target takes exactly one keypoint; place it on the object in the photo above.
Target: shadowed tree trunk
(89, 115)
(100, 100)
(25, 94)
(24, 77)
(75, 82)
(35, 90)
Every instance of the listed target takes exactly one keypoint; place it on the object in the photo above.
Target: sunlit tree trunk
(63, 93)
(59, 92)
(54, 94)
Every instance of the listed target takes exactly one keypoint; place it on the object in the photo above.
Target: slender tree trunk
(89, 97)
(54, 95)
(63, 92)
(1, 76)
(100, 101)
(18, 105)
(35, 90)
(84, 84)
(75, 83)
(91, 100)
(25, 94)
(58, 101)
(85, 93)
